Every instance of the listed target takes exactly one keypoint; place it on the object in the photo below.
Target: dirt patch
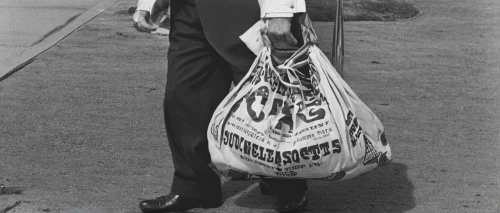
(363, 10)
(130, 10)
(10, 190)
(379, 10)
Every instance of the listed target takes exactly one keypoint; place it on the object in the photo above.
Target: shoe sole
(301, 209)
(205, 206)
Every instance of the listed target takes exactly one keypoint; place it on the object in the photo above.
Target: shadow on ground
(386, 189)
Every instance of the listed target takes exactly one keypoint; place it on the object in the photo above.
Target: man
(205, 56)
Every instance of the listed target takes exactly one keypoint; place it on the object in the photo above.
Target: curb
(18, 61)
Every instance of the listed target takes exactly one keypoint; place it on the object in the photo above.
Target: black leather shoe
(172, 203)
(267, 189)
(286, 202)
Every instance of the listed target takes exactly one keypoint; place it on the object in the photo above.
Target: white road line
(233, 198)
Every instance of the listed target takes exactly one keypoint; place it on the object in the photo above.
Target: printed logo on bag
(215, 127)
(261, 155)
(313, 152)
(383, 160)
(371, 155)
(355, 129)
(263, 75)
(263, 93)
(383, 139)
(315, 81)
(291, 100)
(286, 110)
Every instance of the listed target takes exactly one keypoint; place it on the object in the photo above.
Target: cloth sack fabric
(299, 120)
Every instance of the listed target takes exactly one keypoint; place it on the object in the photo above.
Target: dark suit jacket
(223, 22)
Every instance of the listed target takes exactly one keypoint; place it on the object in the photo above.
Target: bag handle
(310, 39)
(296, 55)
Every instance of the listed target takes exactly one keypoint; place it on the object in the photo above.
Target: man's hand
(141, 22)
(277, 34)
(278, 37)
(145, 22)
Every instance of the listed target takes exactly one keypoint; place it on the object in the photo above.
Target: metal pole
(338, 38)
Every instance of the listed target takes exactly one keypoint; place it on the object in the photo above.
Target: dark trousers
(198, 79)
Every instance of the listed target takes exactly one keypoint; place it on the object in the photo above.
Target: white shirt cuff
(253, 38)
(281, 8)
(278, 15)
(146, 5)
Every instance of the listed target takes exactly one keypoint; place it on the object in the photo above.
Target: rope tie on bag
(298, 106)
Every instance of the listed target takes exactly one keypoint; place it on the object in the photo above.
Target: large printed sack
(298, 120)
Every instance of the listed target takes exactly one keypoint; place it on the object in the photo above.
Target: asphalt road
(81, 128)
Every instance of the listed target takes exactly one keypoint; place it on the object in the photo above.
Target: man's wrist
(138, 14)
